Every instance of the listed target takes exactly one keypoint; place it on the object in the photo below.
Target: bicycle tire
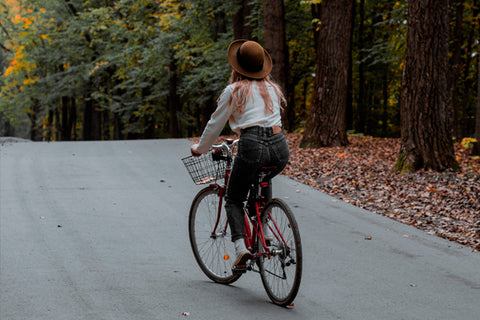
(281, 273)
(214, 254)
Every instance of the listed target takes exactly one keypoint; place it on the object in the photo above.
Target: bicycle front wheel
(210, 236)
(281, 271)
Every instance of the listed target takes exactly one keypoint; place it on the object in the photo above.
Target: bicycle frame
(222, 190)
(256, 229)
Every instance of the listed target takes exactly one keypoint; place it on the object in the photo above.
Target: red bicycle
(278, 258)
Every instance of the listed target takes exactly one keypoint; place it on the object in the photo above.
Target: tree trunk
(361, 111)
(385, 94)
(476, 146)
(241, 29)
(106, 125)
(58, 125)
(73, 118)
(96, 123)
(316, 9)
(87, 120)
(274, 29)
(173, 101)
(65, 133)
(349, 107)
(220, 22)
(9, 129)
(49, 134)
(275, 44)
(468, 82)
(118, 127)
(456, 67)
(35, 132)
(326, 123)
(426, 138)
(91, 121)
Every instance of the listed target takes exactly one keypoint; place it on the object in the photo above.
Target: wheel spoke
(211, 252)
(280, 276)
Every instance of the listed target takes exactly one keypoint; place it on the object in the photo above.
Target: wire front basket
(204, 169)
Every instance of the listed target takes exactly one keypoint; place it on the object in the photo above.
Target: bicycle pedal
(239, 269)
(240, 265)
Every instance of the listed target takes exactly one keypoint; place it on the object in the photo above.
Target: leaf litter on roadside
(446, 204)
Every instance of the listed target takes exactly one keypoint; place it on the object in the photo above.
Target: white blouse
(253, 115)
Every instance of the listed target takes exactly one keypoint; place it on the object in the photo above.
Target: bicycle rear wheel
(281, 272)
(210, 237)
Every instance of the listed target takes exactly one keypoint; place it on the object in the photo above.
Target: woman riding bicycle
(251, 103)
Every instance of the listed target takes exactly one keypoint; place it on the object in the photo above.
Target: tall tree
(456, 67)
(476, 146)
(426, 139)
(174, 104)
(275, 44)
(326, 123)
(241, 27)
(362, 106)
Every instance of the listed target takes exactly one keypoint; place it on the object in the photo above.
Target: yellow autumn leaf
(28, 81)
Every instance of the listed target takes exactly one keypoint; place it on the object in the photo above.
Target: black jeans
(258, 147)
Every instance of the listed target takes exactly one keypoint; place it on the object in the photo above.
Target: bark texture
(476, 146)
(326, 123)
(275, 44)
(426, 139)
(241, 28)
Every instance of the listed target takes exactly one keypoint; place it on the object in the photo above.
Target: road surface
(98, 230)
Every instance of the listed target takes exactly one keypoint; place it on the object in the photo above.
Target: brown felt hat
(249, 59)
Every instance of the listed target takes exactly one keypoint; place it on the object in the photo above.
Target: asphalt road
(98, 230)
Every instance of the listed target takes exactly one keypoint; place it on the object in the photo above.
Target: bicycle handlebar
(226, 146)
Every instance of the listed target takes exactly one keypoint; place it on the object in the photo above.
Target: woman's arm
(216, 123)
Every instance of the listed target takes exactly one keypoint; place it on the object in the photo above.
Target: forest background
(141, 69)
(124, 69)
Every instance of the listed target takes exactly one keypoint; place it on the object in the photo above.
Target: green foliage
(379, 51)
(301, 50)
(123, 57)
(116, 53)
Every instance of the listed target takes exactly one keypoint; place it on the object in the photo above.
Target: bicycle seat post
(261, 183)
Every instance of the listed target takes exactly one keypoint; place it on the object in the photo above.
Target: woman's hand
(194, 150)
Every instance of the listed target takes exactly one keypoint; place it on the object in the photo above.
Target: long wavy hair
(243, 92)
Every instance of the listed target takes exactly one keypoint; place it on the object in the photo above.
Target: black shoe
(240, 264)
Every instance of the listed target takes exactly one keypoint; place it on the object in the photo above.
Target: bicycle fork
(222, 232)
